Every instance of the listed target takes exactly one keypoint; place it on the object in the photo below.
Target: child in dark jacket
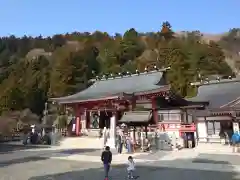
(106, 159)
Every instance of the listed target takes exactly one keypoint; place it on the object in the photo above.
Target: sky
(48, 17)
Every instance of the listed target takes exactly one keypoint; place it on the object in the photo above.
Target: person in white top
(131, 167)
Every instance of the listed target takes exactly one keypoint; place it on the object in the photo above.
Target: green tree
(68, 73)
(179, 76)
(130, 47)
(61, 73)
(13, 100)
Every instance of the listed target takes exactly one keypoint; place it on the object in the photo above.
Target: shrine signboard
(177, 127)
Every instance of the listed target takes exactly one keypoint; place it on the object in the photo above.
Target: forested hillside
(36, 68)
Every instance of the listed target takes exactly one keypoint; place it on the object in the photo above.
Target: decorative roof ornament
(167, 98)
(137, 72)
(206, 80)
(127, 74)
(104, 77)
(146, 69)
(120, 74)
(98, 78)
(199, 75)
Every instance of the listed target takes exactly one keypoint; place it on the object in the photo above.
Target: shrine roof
(136, 117)
(114, 88)
(218, 93)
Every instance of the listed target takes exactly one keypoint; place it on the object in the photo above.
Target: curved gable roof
(218, 94)
(115, 87)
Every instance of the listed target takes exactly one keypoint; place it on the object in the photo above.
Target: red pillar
(155, 113)
(78, 123)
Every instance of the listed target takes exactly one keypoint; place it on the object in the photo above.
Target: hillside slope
(229, 42)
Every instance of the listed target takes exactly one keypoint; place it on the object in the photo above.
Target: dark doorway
(104, 119)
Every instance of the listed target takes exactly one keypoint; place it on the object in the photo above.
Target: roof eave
(157, 90)
(87, 100)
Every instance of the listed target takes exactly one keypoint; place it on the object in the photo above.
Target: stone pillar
(142, 140)
(84, 123)
(104, 137)
(112, 138)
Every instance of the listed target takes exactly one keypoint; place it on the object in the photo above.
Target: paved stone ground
(17, 164)
(46, 169)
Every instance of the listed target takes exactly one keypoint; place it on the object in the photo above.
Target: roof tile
(117, 86)
(218, 94)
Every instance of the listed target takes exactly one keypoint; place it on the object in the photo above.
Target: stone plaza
(36, 163)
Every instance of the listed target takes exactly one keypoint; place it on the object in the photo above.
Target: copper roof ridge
(221, 81)
(130, 75)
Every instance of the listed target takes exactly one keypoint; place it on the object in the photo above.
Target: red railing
(178, 126)
(188, 127)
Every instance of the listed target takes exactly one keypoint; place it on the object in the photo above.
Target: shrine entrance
(99, 119)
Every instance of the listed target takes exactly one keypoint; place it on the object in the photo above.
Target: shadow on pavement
(21, 160)
(151, 171)
(9, 148)
(67, 152)
(232, 159)
(80, 151)
(153, 155)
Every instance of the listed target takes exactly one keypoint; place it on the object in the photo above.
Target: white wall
(202, 131)
(190, 118)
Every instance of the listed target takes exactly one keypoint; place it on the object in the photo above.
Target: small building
(221, 114)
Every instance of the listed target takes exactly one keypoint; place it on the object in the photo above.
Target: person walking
(106, 158)
(129, 145)
(235, 141)
(120, 143)
(131, 167)
(25, 138)
(190, 140)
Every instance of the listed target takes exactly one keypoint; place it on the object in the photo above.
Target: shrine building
(220, 116)
(111, 101)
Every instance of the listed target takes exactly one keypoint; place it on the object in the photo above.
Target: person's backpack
(235, 138)
(238, 138)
